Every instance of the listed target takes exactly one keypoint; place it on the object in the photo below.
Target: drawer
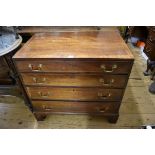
(75, 94)
(73, 107)
(114, 67)
(76, 80)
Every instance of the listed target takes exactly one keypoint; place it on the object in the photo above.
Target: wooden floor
(137, 109)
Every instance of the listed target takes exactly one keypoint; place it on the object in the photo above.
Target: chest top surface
(106, 44)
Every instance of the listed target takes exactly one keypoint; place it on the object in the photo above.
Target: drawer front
(79, 107)
(76, 80)
(114, 67)
(75, 94)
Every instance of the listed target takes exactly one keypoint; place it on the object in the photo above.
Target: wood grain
(96, 44)
(69, 107)
(74, 80)
(73, 66)
(75, 94)
(75, 107)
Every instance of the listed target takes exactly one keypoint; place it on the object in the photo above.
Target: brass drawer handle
(102, 109)
(103, 96)
(39, 81)
(46, 108)
(32, 67)
(44, 94)
(108, 71)
(106, 84)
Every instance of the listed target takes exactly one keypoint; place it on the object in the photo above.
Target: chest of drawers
(75, 72)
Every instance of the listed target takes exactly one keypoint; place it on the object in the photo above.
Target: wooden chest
(75, 72)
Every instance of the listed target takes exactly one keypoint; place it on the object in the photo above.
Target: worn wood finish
(74, 80)
(75, 107)
(74, 65)
(77, 94)
(46, 29)
(14, 114)
(98, 44)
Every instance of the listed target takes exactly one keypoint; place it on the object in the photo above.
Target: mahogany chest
(75, 72)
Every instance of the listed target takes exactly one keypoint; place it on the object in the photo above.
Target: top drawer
(114, 67)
